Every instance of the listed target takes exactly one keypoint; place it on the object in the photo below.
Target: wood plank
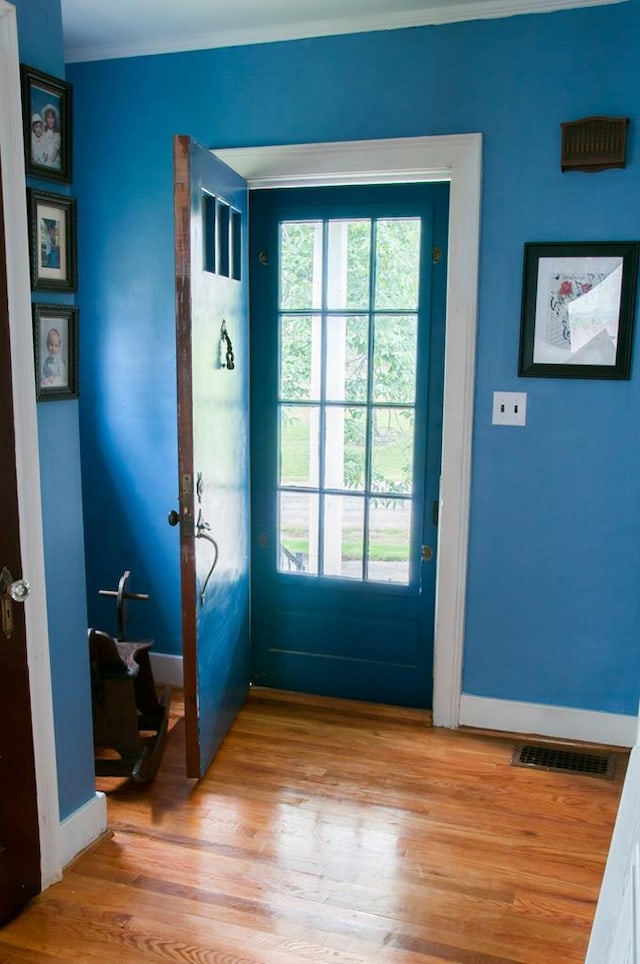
(334, 831)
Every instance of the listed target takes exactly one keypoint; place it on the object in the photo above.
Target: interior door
(19, 834)
(213, 441)
(347, 335)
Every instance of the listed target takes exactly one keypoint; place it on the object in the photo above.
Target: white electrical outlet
(509, 408)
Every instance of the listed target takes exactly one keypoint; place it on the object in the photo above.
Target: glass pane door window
(348, 305)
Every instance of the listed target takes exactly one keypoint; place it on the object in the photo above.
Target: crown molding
(434, 12)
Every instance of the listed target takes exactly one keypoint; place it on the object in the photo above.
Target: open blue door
(213, 444)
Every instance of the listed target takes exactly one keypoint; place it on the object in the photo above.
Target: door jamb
(458, 159)
(27, 457)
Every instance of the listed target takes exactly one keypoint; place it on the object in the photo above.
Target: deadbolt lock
(426, 553)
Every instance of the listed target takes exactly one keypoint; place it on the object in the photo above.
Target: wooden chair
(128, 717)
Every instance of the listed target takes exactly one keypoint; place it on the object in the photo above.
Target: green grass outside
(390, 458)
(389, 549)
(387, 545)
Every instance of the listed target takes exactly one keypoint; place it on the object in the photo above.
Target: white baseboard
(510, 716)
(83, 827)
(559, 722)
(167, 670)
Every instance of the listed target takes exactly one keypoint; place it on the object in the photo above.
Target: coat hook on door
(227, 347)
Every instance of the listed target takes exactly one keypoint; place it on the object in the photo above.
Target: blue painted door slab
(213, 439)
(342, 598)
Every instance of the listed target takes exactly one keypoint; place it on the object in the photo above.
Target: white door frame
(27, 457)
(457, 159)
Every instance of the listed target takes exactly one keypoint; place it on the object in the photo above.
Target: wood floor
(329, 831)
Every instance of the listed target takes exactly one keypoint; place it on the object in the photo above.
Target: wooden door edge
(182, 234)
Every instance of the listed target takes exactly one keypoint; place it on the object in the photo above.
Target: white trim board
(558, 722)
(615, 924)
(458, 159)
(167, 670)
(27, 456)
(82, 827)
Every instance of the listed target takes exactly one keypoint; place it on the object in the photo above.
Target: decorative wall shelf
(594, 143)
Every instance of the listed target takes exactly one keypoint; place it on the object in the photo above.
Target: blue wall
(40, 46)
(554, 559)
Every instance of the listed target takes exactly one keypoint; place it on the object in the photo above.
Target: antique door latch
(11, 591)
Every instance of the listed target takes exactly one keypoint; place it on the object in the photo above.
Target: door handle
(202, 527)
(173, 518)
(11, 591)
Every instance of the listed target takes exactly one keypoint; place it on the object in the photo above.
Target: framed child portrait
(46, 116)
(52, 241)
(55, 339)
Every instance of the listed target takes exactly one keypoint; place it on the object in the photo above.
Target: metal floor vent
(561, 760)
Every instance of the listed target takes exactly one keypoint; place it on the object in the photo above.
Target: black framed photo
(46, 116)
(55, 341)
(578, 309)
(52, 241)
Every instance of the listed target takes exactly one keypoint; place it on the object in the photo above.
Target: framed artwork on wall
(578, 308)
(46, 119)
(55, 340)
(52, 241)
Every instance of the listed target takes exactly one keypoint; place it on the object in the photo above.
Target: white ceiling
(103, 29)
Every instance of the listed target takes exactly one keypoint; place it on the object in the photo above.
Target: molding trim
(27, 456)
(616, 917)
(458, 159)
(83, 827)
(167, 670)
(386, 160)
(558, 722)
(211, 35)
